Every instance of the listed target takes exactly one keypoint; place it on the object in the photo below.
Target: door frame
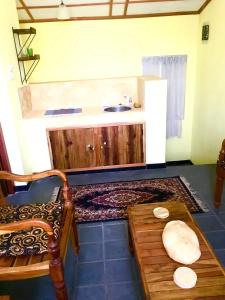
(4, 161)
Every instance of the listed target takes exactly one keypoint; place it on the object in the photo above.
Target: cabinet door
(96, 147)
(119, 145)
(130, 144)
(72, 148)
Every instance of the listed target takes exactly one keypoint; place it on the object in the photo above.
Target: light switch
(11, 72)
(205, 32)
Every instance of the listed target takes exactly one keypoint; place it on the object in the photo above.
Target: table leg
(218, 191)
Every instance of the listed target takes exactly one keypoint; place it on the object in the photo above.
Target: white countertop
(90, 116)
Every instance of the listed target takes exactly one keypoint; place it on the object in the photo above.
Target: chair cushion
(34, 240)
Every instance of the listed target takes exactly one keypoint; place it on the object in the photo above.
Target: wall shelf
(21, 45)
(26, 58)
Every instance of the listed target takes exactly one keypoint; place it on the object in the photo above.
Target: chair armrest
(53, 247)
(40, 175)
(26, 224)
(35, 176)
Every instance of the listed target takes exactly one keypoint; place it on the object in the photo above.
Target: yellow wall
(209, 110)
(10, 112)
(114, 48)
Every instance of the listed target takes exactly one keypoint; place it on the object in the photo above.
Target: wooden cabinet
(73, 148)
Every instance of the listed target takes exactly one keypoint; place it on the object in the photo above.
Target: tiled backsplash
(25, 98)
(79, 93)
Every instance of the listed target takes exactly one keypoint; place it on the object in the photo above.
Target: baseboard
(155, 166)
(147, 166)
(179, 163)
(106, 170)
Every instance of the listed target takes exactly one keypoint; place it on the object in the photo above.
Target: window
(172, 68)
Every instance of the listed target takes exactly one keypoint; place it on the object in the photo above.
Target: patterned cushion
(34, 240)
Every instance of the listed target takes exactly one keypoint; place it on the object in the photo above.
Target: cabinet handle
(104, 145)
(90, 147)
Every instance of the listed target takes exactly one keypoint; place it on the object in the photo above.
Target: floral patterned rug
(109, 201)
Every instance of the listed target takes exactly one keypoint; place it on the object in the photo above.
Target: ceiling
(46, 10)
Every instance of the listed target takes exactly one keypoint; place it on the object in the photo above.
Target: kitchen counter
(90, 116)
(36, 125)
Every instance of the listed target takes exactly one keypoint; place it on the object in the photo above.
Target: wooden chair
(24, 227)
(2, 197)
(220, 175)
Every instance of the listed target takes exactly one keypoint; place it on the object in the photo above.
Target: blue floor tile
(124, 291)
(89, 224)
(35, 289)
(90, 234)
(218, 211)
(90, 252)
(119, 271)
(208, 222)
(221, 217)
(90, 273)
(221, 256)
(117, 249)
(216, 239)
(90, 293)
(114, 232)
(115, 222)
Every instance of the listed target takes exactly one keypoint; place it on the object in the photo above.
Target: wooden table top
(157, 268)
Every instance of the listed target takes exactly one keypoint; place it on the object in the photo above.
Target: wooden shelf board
(26, 58)
(30, 30)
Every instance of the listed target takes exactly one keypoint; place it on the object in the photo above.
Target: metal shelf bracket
(25, 71)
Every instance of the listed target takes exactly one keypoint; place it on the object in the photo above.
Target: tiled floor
(105, 263)
(104, 269)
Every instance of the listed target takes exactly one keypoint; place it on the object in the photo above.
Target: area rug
(109, 201)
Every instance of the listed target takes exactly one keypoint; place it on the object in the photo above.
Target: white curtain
(172, 68)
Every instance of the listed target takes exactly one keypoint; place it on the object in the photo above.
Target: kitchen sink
(117, 108)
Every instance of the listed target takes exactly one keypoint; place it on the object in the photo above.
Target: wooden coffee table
(157, 268)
